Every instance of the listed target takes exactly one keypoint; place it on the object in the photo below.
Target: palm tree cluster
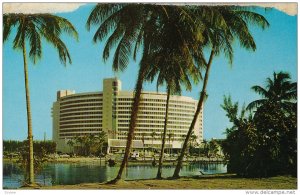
(207, 149)
(87, 145)
(264, 143)
(170, 38)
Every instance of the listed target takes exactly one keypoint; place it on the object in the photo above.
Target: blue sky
(276, 51)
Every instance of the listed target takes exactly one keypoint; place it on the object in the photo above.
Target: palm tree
(222, 24)
(71, 144)
(170, 136)
(153, 135)
(213, 147)
(174, 75)
(32, 28)
(192, 141)
(205, 148)
(101, 138)
(79, 140)
(126, 22)
(90, 141)
(172, 64)
(280, 91)
(176, 56)
(138, 24)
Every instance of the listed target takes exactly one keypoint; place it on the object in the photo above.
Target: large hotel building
(79, 114)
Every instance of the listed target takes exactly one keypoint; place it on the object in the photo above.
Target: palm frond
(112, 41)
(100, 12)
(32, 34)
(107, 25)
(20, 37)
(260, 90)
(62, 50)
(121, 56)
(33, 27)
(67, 27)
(9, 21)
(139, 41)
(253, 18)
(256, 104)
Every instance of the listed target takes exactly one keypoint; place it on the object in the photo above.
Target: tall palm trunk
(199, 107)
(134, 113)
(29, 124)
(158, 176)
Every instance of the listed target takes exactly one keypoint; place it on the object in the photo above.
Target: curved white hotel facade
(109, 111)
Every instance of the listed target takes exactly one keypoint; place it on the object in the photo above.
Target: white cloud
(30, 8)
(288, 8)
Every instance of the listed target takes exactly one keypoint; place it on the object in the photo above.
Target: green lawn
(221, 181)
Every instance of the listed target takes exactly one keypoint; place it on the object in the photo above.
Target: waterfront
(76, 173)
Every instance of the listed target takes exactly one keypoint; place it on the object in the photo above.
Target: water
(75, 173)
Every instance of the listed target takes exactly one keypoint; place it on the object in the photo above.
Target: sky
(276, 51)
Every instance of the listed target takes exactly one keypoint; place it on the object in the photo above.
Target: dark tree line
(13, 146)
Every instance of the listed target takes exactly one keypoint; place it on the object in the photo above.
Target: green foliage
(213, 147)
(12, 145)
(47, 147)
(71, 143)
(205, 148)
(192, 143)
(102, 141)
(266, 144)
(278, 139)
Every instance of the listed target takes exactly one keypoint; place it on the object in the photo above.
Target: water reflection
(67, 173)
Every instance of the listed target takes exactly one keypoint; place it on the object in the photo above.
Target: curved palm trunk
(158, 176)
(199, 107)
(29, 124)
(134, 113)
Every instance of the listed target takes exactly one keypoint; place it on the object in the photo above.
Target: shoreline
(104, 160)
